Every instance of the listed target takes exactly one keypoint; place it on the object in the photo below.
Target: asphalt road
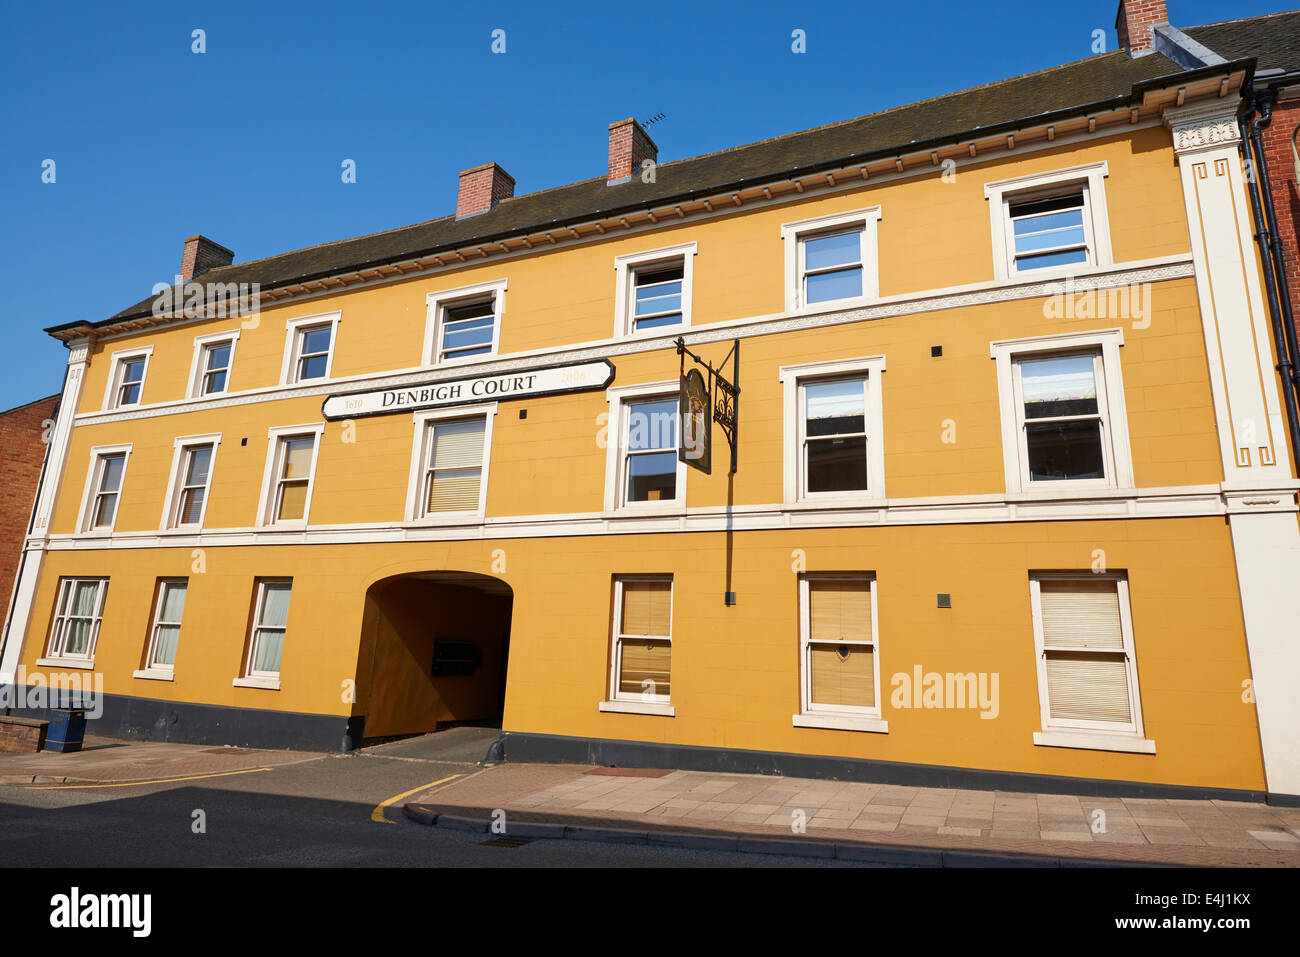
(313, 814)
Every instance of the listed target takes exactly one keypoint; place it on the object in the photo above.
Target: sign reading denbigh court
(518, 384)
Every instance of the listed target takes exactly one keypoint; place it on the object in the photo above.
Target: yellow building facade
(1013, 494)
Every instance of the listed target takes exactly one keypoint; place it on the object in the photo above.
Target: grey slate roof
(1274, 39)
(1072, 88)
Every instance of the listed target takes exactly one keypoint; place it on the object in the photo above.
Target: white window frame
(1096, 221)
(171, 511)
(1116, 451)
(792, 233)
(637, 702)
(437, 304)
(267, 501)
(116, 366)
(57, 638)
(793, 473)
(197, 370)
(841, 717)
(619, 399)
(416, 496)
(263, 679)
(625, 268)
(293, 329)
(151, 669)
(93, 473)
(1074, 733)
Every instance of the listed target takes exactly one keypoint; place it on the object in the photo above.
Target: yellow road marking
(135, 784)
(377, 815)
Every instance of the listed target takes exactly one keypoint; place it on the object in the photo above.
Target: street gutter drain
(506, 842)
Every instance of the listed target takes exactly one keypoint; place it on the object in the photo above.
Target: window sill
(639, 707)
(466, 517)
(841, 722)
(1067, 489)
(270, 684)
(673, 509)
(835, 500)
(153, 674)
(81, 663)
(1094, 741)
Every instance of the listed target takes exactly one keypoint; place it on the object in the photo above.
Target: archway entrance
(434, 652)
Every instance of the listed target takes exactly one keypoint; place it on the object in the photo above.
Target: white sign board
(518, 384)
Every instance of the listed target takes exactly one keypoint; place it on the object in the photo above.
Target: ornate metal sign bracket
(724, 393)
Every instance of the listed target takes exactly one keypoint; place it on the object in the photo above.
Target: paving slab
(884, 824)
(110, 760)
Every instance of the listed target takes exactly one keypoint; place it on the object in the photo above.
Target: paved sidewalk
(926, 820)
(110, 760)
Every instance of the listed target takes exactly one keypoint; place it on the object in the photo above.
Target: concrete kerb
(812, 848)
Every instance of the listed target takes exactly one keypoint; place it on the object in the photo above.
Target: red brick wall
(483, 187)
(1286, 193)
(1134, 20)
(22, 452)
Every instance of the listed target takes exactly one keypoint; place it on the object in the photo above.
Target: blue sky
(153, 142)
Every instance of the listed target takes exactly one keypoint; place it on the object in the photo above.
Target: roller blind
(297, 456)
(458, 444)
(1081, 614)
(293, 500)
(1088, 687)
(647, 608)
(645, 660)
(842, 675)
(839, 610)
(454, 490)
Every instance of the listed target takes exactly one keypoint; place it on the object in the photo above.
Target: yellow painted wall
(551, 462)
(735, 670)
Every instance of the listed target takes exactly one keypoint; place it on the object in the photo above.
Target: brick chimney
(481, 188)
(1134, 21)
(202, 254)
(629, 146)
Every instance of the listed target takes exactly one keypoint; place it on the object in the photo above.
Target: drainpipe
(1259, 105)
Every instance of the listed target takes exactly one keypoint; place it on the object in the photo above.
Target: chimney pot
(481, 188)
(202, 254)
(1133, 23)
(629, 147)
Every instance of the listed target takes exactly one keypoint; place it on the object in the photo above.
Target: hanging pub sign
(701, 401)
(696, 445)
(517, 384)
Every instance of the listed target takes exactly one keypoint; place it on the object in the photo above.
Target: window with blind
(191, 484)
(293, 474)
(838, 660)
(453, 466)
(165, 634)
(1087, 671)
(642, 652)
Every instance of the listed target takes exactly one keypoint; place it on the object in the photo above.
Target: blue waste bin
(67, 729)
